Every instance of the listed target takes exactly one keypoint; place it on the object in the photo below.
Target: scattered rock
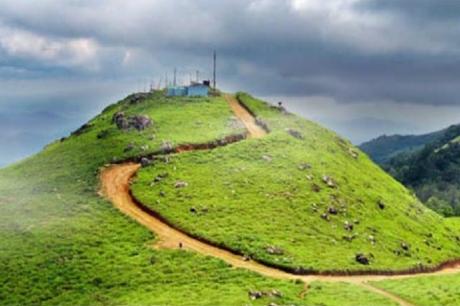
(274, 250)
(246, 258)
(138, 122)
(348, 226)
(294, 133)
(160, 177)
(262, 124)
(254, 295)
(404, 246)
(315, 188)
(329, 181)
(162, 193)
(353, 153)
(332, 210)
(120, 120)
(381, 204)
(325, 217)
(180, 184)
(193, 210)
(309, 177)
(267, 158)
(362, 259)
(137, 97)
(372, 239)
(144, 148)
(166, 147)
(304, 166)
(145, 162)
(275, 293)
(349, 237)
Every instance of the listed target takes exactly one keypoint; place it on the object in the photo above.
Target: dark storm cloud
(351, 51)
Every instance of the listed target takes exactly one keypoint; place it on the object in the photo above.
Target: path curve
(115, 186)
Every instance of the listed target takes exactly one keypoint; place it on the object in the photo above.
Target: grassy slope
(62, 244)
(248, 203)
(426, 291)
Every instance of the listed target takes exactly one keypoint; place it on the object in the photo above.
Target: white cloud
(61, 52)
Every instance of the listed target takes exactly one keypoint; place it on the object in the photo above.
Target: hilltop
(300, 198)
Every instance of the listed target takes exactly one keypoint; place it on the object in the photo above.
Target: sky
(360, 67)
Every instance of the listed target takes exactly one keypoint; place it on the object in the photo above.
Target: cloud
(354, 52)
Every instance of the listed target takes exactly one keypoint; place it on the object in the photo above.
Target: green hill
(433, 172)
(301, 199)
(383, 148)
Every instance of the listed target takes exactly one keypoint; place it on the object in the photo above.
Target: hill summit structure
(195, 89)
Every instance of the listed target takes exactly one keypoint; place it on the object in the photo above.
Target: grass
(426, 291)
(267, 192)
(61, 244)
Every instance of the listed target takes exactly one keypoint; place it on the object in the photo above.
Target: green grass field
(426, 291)
(270, 192)
(62, 244)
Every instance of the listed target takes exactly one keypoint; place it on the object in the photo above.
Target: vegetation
(60, 243)
(427, 290)
(300, 198)
(433, 172)
(382, 149)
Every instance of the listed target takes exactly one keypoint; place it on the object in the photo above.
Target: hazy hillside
(383, 148)
(300, 198)
(433, 172)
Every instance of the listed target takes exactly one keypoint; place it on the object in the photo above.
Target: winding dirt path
(254, 131)
(115, 186)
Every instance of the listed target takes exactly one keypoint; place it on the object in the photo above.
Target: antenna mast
(175, 80)
(214, 69)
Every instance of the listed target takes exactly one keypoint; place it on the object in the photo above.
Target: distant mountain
(429, 164)
(383, 148)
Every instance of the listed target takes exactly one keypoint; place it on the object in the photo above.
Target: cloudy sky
(360, 67)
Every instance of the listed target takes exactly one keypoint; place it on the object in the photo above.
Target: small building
(193, 90)
(198, 90)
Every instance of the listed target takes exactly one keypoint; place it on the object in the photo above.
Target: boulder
(381, 204)
(329, 181)
(315, 188)
(294, 133)
(137, 97)
(140, 122)
(267, 158)
(166, 147)
(145, 162)
(304, 166)
(254, 295)
(404, 246)
(362, 259)
(274, 250)
(348, 226)
(180, 184)
(332, 210)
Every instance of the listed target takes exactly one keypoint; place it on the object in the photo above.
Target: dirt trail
(115, 185)
(255, 131)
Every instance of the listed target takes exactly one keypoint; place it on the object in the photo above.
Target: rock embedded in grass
(294, 133)
(274, 250)
(180, 184)
(329, 181)
(362, 259)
